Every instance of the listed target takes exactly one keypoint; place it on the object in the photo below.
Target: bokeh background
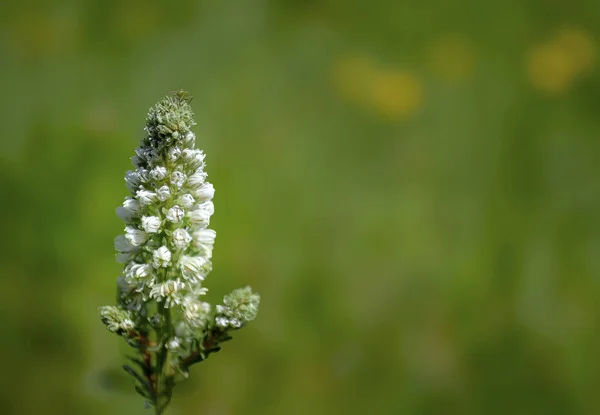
(412, 186)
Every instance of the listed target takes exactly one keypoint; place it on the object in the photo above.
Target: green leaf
(136, 375)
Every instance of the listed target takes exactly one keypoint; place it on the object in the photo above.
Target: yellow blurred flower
(395, 94)
(554, 66)
(451, 58)
(579, 46)
(550, 68)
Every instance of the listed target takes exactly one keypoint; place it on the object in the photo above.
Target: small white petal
(181, 238)
(163, 193)
(178, 179)
(187, 200)
(174, 153)
(161, 257)
(145, 197)
(194, 268)
(132, 180)
(122, 244)
(151, 224)
(135, 236)
(158, 173)
(197, 179)
(205, 192)
(201, 214)
(132, 205)
(175, 214)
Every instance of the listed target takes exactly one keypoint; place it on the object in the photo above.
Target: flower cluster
(166, 247)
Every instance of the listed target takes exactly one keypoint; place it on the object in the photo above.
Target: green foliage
(420, 172)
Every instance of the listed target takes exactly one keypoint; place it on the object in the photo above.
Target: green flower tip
(170, 120)
(116, 319)
(239, 307)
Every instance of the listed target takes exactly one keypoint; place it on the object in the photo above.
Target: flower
(194, 158)
(116, 319)
(161, 257)
(169, 291)
(134, 271)
(181, 238)
(178, 179)
(145, 197)
(125, 215)
(197, 178)
(151, 224)
(166, 250)
(175, 214)
(131, 205)
(173, 154)
(204, 240)
(173, 344)
(239, 307)
(187, 200)
(194, 268)
(195, 312)
(163, 193)
(158, 173)
(135, 236)
(201, 213)
(122, 244)
(132, 180)
(205, 192)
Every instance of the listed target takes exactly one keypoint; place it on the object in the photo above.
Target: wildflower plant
(166, 250)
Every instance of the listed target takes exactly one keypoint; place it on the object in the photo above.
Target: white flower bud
(144, 175)
(205, 236)
(187, 200)
(161, 257)
(201, 214)
(129, 210)
(136, 161)
(195, 158)
(178, 179)
(204, 240)
(173, 344)
(132, 180)
(135, 236)
(197, 178)
(205, 192)
(173, 154)
(122, 244)
(145, 197)
(194, 268)
(168, 290)
(181, 238)
(125, 215)
(190, 138)
(175, 214)
(124, 257)
(151, 224)
(158, 173)
(127, 325)
(222, 322)
(137, 271)
(132, 205)
(163, 193)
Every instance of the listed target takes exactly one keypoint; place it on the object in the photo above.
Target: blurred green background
(412, 186)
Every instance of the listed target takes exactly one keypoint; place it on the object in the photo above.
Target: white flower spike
(167, 248)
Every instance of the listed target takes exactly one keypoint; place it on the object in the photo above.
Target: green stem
(163, 389)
